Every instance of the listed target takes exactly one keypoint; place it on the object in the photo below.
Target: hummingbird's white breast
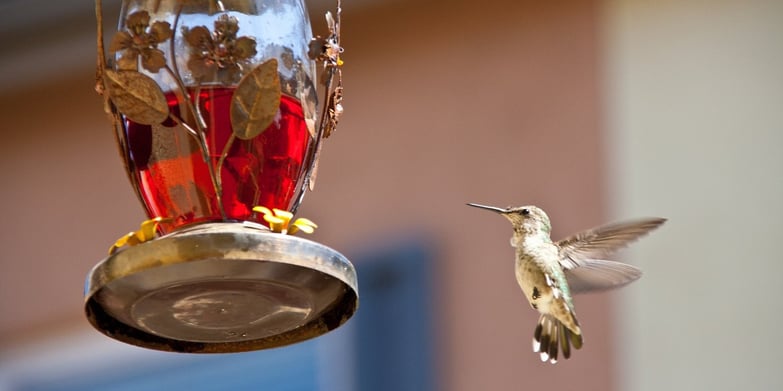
(541, 278)
(532, 266)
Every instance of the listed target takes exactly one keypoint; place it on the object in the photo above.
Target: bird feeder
(215, 109)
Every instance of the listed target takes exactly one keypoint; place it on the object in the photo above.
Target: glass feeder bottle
(233, 119)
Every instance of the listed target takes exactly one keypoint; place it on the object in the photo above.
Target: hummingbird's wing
(580, 255)
(597, 275)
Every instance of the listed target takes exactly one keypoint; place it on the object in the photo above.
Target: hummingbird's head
(525, 219)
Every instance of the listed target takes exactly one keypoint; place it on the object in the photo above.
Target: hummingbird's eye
(525, 212)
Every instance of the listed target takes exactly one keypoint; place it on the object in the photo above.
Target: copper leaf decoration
(256, 101)
(137, 96)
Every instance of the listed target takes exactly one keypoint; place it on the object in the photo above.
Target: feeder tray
(221, 287)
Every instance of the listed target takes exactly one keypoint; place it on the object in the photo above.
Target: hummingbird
(550, 272)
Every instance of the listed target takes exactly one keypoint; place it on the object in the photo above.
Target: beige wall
(696, 99)
(446, 102)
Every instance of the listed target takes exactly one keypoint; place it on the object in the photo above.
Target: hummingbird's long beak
(487, 207)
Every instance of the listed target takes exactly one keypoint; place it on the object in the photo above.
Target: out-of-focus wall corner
(694, 93)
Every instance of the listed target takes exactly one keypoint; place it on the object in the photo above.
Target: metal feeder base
(221, 287)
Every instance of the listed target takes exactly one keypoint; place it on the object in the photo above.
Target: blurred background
(593, 110)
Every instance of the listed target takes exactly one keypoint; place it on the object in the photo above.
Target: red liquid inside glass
(175, 182)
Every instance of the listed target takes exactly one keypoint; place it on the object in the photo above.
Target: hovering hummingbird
(550, 272)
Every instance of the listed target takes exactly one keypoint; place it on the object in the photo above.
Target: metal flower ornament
(328, 51)
(141, 41)
(220, 51)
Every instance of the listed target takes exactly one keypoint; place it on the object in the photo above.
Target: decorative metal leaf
(137, 96)
(256, 101)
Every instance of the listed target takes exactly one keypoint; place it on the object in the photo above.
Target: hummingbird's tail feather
(551, 336)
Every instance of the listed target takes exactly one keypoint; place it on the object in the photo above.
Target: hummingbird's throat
(534, 229)
(523, 238)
